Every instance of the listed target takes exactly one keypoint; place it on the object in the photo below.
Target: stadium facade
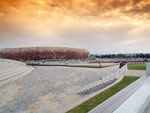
(40, 53)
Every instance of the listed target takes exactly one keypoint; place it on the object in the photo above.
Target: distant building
(39, 53)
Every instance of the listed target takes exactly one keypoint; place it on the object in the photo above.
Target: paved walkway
(147, 110)
(48, 89)
(136, 73)
(111, 104)
(138, 100)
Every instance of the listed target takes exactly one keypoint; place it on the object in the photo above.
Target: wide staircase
(11, 70)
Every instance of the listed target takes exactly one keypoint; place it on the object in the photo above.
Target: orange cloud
(80, 8)
(47, 17)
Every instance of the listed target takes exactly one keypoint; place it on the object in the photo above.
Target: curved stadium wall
(40, 53)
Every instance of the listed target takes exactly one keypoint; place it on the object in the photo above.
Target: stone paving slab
(48, 89)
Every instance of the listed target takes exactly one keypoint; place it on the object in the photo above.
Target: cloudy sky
(101, 26)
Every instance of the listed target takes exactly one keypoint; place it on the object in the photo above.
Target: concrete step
(11, 62)
(7, 65)
(13, 73)
(16, 77)
(4, 65)
(97, 85)
(10, 69)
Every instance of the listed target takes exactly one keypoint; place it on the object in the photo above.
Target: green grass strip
(137, 67)
(98, 99)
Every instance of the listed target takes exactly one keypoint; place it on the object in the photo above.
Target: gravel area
(48, 89)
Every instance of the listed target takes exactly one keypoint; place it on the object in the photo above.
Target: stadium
(40, 53)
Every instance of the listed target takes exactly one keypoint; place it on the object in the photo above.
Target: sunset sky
(101, 26)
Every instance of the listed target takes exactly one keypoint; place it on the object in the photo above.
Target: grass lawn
(137, 67)
(93, 102)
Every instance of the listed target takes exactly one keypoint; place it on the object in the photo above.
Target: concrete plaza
(48, 89)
